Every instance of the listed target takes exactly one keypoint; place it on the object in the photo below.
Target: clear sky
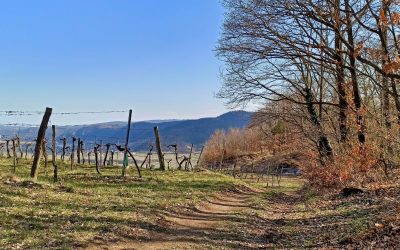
(154, 56)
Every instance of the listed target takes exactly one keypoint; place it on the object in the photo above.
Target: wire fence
(26, 135)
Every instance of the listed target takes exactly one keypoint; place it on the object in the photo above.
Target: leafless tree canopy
(336, 61)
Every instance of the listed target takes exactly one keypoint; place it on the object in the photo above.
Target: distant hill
(181, 132)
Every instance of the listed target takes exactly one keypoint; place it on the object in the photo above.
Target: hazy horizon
(36, 118)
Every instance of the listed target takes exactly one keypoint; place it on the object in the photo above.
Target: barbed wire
(19, 125)
(30, 113)
(88, 140)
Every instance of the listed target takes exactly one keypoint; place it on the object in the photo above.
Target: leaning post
(39, 142)
(124, 163)
(159, 152)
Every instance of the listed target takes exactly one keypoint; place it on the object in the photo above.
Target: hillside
(181, 132)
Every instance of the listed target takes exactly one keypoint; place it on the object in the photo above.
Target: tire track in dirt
(211, 224)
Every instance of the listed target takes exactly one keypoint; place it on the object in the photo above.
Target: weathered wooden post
(64, 140)
(27, 145)
(149, 160)
(73, 152)
(39, 141)
(159, 151)
(8, 148)
(96, 157)
(124, 163)
(89, 157)
(54, 153)
(14, 155)
(82, 152)
(45, 155)
(78, 151)
(101, 151)
(18, 141)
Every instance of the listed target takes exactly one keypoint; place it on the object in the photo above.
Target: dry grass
(85, 205)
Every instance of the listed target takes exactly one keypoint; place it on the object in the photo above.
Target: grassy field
(84, 204)
(85, 208)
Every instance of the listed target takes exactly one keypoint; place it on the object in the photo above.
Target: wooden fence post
(159, 151)
(149, 160)
(19, 146)
(39, 141)
(78, 151)
(45, 156)
(126, 144)
(8, 148)
(27, 145)
(101, 152)
(14, 155)
(73, 152)
(54, 152)
(64, 148)
(96, 157)
(89, 153)
(82, 152)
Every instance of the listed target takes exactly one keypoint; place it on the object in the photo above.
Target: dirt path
(288, 217)
(221, 222)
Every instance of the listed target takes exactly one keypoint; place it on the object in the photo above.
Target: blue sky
(154, 56)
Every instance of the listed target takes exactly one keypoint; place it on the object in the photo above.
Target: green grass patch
(43, 214)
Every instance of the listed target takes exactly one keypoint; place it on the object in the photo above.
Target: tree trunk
(353, 73)
(340, 76)
(324, 146)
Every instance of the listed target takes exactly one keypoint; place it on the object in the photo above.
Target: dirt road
(225, 221)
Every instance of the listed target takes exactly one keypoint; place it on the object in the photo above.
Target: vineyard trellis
(107, 151)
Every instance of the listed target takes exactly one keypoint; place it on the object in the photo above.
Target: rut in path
(218, 223)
